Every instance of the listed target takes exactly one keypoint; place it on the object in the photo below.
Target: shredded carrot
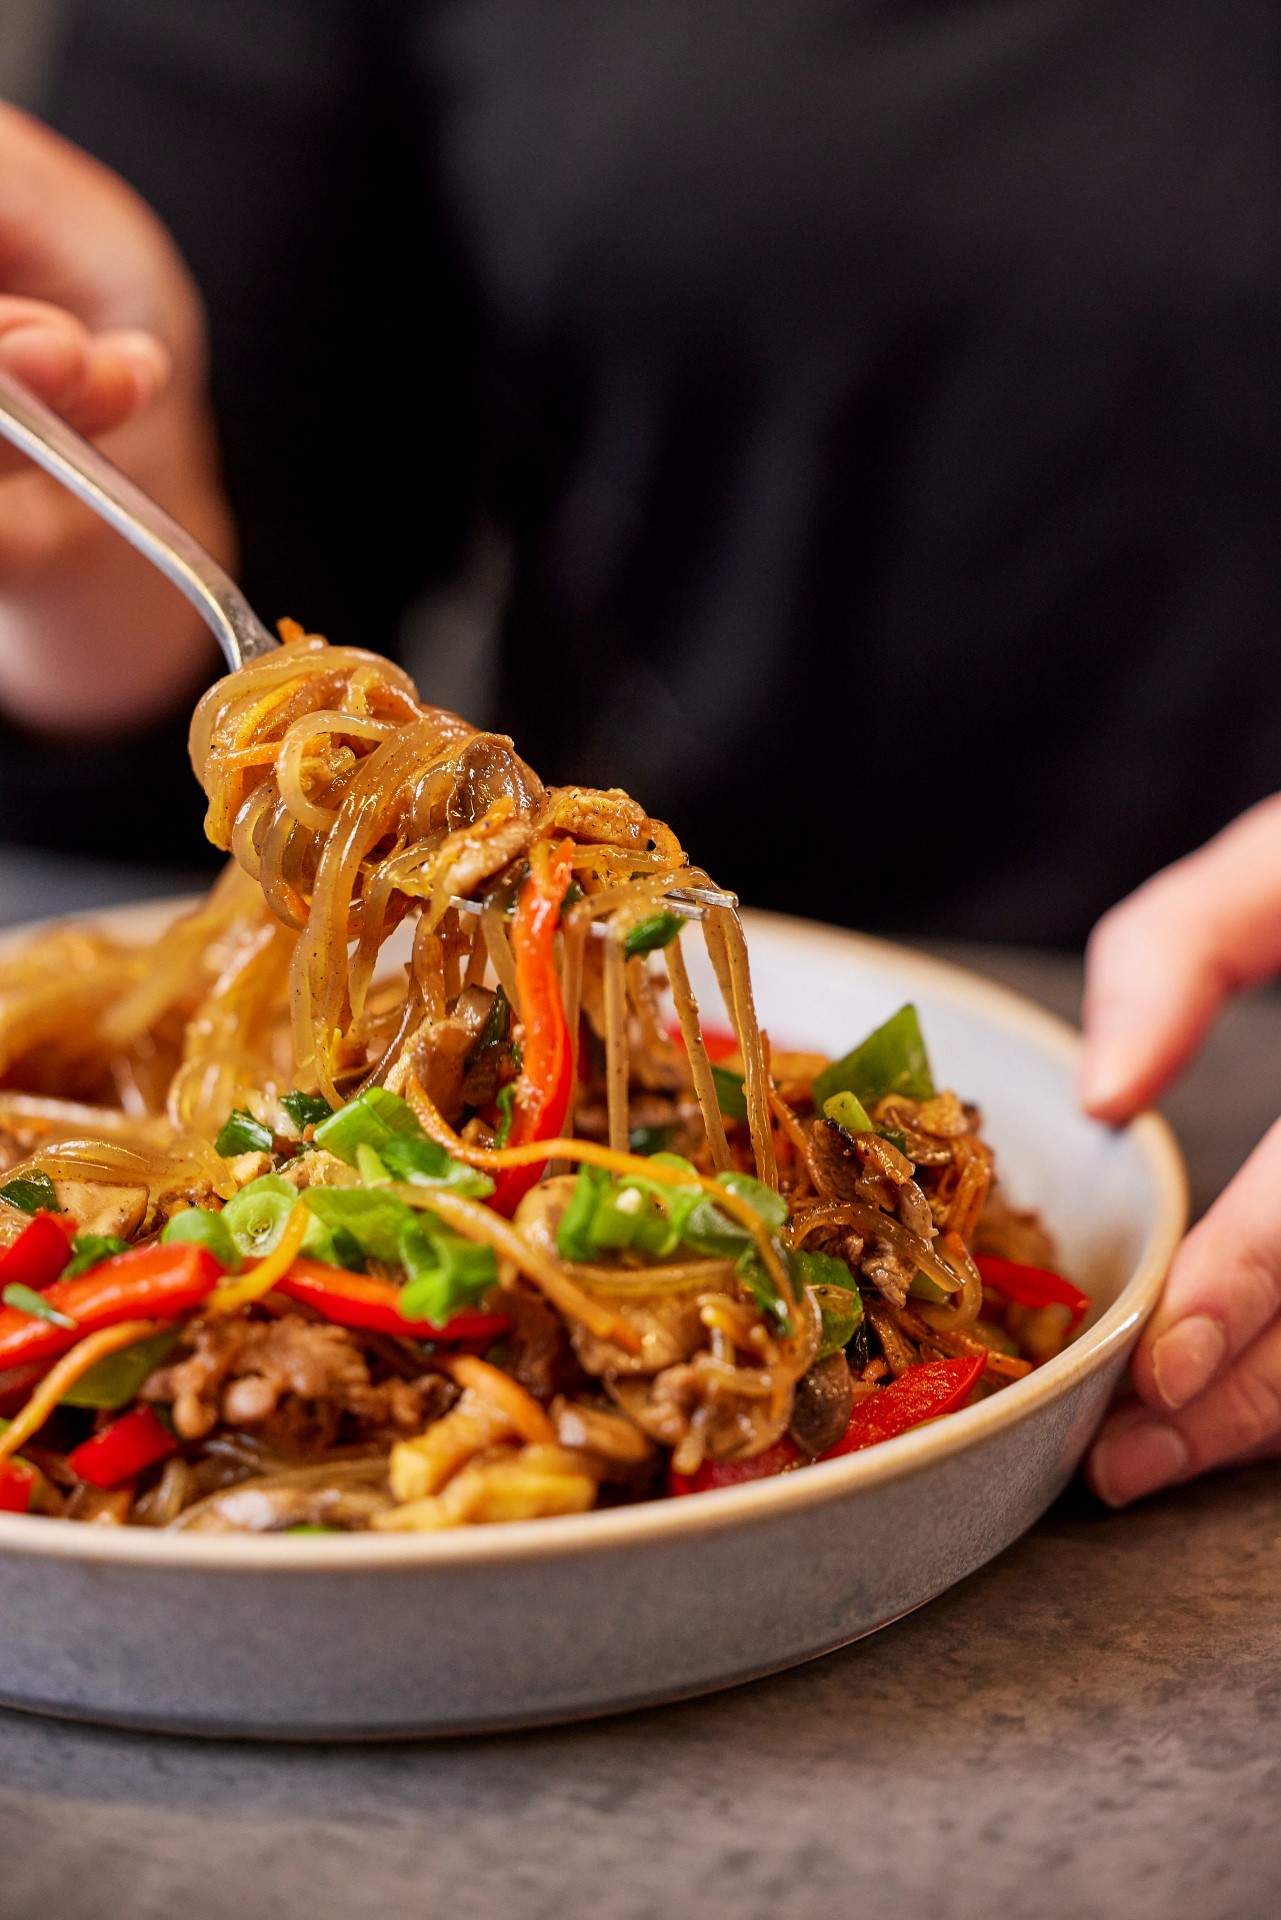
(504, 1394)
(262, 1277)
(85, 1354)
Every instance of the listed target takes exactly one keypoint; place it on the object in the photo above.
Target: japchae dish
(294, 1239)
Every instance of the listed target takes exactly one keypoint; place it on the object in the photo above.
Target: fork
(37, 431)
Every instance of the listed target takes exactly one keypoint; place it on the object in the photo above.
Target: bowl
(369, 1636)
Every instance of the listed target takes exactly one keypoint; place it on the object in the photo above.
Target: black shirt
(878, 402)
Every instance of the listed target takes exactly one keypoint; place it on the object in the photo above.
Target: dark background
(850, 426)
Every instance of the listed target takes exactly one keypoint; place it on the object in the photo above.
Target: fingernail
(1103, 1084)
(1138, 1461)
(1186, 1359)
(148, 360)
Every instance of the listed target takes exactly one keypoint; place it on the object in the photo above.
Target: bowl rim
(752, 1502)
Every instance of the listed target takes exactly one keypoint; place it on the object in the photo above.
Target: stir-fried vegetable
(892, 1059)
(27, 1300)
(17, 1484)
(546, 1075)
(123, 1450)
(90, 1250)
(272, 1299)
(924, 1392)
(241, 1133)
(1032, 1286)
(31, 1193)
(116, 1378)
(156, 1282)
(357, 1300)
(39, 1253)
(305, 1109)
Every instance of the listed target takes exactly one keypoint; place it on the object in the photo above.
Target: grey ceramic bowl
(369, 1636)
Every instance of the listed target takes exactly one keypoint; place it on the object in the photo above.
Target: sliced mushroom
(99, 1208)
(609, 1437)
(821, 1405)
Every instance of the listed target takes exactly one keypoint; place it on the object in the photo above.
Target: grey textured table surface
(1089, 1726)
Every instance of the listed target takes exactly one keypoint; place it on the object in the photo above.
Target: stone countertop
(1086, 1727)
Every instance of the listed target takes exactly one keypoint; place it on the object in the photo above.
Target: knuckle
(1246, 1415)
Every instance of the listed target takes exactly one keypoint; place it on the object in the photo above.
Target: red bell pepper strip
(544, 1086)
(924, 1392)
(1032, 1286)
(122, 1450)
(17, 1484)
(361, 1301)
(720, 1043)
(732, 1473)
(39, 1253)
(158, 1282)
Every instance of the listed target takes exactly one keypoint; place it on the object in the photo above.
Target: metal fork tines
(38, 432)
(690, 903)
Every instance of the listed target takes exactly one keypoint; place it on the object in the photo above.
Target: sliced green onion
(574, 1234)
(656, 930)
(373, 1218)
(305, 1109)
(32, 1192)
(372, 1170)
(241, 1133)
(425, 1163)
(202, 1227)
(505, 1100)
(90, 1250)
(848, 1111)
(255, 1218)
(27, 1300)
(446, 1271)
(372, 1119)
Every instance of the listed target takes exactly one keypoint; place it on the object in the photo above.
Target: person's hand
(1207, 1370)
(98, 316)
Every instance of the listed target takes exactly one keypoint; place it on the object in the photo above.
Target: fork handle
(37, 431)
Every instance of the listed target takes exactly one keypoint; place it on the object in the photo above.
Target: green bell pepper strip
(892, 1059)
(731, 1093)
(840, 1304)
(114, 1380)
